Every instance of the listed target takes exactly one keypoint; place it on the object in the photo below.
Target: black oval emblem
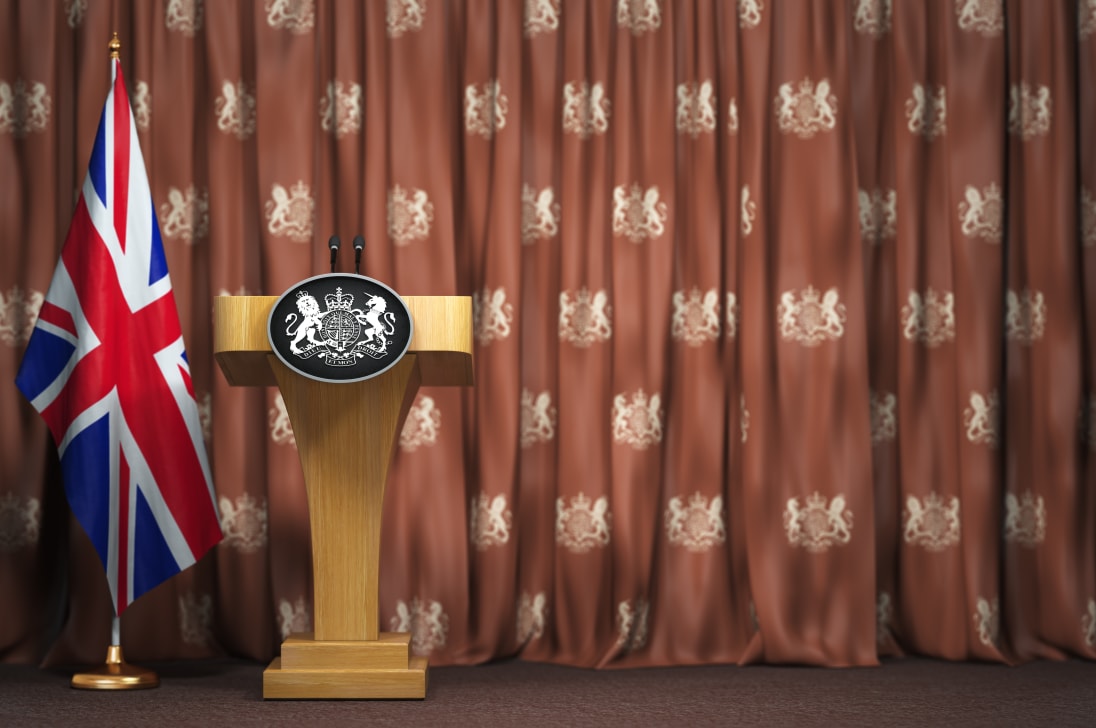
(340, 327)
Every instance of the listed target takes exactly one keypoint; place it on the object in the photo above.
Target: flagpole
(116, 673)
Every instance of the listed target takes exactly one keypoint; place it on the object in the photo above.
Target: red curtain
(784, 318)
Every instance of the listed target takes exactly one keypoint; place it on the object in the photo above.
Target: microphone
(334, 244)
(359, 245)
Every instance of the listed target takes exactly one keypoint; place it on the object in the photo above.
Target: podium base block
(380, 669)
(345, 683)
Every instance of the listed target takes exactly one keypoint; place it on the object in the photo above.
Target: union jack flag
(106, 369)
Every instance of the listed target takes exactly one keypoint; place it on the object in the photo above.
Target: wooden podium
(346, 435)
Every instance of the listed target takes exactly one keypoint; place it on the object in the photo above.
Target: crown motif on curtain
(696, 500)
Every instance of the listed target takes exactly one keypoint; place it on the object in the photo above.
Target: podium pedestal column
(345, 436)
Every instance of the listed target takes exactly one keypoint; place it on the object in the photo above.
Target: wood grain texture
(345, 438)
(390, 651)
(335, 683)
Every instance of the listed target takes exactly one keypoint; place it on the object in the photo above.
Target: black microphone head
(334, 243)
(359, 242)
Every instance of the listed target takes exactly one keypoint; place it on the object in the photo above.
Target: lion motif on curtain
(816, 526)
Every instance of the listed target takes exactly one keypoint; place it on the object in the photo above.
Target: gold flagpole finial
(115, 46)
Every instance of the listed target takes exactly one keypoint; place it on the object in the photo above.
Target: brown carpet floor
(907, 692)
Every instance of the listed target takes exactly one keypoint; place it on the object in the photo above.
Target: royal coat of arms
(361, 328)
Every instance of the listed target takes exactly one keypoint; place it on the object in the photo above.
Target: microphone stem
(359, 246)
(333, 244)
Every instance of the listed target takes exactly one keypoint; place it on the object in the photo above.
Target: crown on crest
(933, 501)
(339, 301)
(580, 502)
(696, 500)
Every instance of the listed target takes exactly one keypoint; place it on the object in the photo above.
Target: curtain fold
(784, 318)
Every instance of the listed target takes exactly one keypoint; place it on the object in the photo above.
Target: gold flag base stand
(116, 674)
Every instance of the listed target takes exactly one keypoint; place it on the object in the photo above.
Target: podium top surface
(442, 340)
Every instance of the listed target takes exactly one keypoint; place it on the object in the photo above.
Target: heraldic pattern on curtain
(785, 318)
